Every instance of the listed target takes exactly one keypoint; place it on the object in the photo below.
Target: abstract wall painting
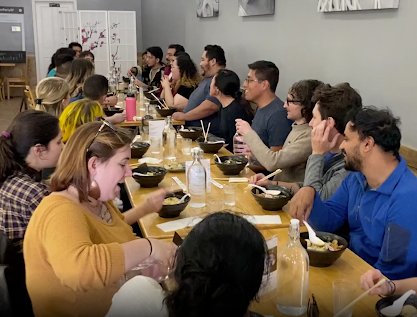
(207, 8)
(256, 7)
(356, 5)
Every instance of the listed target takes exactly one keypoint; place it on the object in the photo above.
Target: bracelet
(392, 286)
(150, 244)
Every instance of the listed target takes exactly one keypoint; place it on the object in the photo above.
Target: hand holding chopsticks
(267, 177)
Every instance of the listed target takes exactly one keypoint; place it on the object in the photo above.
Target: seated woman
(225, 86)
(78, 246)
(186, 78)
(53, 94)
(220, 279)
(31, 143)
(293, 156)
(80, 70)
(372, 277)
(87, 55)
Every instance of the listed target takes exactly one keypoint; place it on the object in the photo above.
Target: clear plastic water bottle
(196, 180)
(170, 140)
(293, 272)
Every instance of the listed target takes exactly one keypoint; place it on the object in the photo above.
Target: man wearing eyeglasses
(270, 121)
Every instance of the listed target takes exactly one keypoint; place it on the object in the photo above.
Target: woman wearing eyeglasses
(78, 246)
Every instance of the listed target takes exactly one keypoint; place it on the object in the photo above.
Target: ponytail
(28, 129)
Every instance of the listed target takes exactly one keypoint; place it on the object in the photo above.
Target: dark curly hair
(303, 92)
(380, 125)
(336, 102)
(219, 268)
(189, 75)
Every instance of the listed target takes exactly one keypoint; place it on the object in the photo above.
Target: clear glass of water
(343, 294)
(186, 146)
(230, 194)
(156, 143)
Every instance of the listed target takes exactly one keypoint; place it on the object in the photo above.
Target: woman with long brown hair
(78, 246)
(80, 70)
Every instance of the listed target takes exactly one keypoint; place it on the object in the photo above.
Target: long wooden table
(349, 266)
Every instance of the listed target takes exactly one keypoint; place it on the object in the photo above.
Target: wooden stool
(18, 82)
(2, 90)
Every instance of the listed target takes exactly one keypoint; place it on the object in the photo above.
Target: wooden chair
(30, 97)
(18, 82)
(2, 90)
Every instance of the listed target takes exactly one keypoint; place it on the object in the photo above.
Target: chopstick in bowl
(267, 177)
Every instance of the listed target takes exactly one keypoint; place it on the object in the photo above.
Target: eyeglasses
(293, 101)
(249, 80)
(103, 125)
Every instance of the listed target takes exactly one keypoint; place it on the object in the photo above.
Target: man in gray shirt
(200, 105)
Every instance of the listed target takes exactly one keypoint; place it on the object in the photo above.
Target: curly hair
(189, 75)
(219, 268)
(303, 91)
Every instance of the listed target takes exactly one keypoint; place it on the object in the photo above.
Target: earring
(94, 190)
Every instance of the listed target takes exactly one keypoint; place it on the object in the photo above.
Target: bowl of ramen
(324, 256)
(191, 133)
(171, 207)
(409, 309)
(148, 176)
(213, 144)
(163, 112)
(175, 167)
(112, 110)
(231, 165)
(270, 202)
(138, 149)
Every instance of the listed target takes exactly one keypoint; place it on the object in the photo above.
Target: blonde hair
(72, 165)
(80, 70)
(76, 114)
(52, 91)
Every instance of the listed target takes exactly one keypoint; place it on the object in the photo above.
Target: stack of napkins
(149, 160)
(192, 221)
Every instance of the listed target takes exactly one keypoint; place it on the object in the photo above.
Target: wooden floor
(8, 110)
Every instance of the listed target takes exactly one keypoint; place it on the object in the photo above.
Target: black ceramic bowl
(193, 135)
(275, 203)
(324, 258)
(231, 169)
(112, 110)
(210, 147)
(149, 181)
(172, 211)
(138, 149)
(165, 112)
(387, 301)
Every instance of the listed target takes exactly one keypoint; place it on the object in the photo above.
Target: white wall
(376, 51)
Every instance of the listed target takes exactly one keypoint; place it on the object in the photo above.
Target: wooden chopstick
(360, 297)
(202, 125)
(166, 105)
(267, 177)
(208, 129)
(157, 99)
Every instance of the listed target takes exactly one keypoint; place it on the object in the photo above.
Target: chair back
(30, 97)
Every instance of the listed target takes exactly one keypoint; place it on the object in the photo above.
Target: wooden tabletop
(139, 123)
(349, 266)
(7, 64)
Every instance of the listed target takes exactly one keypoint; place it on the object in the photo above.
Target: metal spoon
(397, 306)
(271, 192)
(312, 235)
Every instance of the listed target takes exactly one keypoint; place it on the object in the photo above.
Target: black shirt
(185, 91)
(228, 118)
(154, 81)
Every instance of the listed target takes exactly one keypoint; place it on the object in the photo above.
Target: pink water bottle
(130, 107)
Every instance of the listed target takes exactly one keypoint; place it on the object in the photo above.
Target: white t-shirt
(141, 296)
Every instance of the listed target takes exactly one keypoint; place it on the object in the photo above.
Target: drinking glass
(186, 146)
(156, 143)
(230, 194)
(343, 294)
(216, 205)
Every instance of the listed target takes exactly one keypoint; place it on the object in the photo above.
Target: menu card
(156, 128)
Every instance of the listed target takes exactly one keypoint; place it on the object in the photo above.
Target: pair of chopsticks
(205, 134)
(163, 105)
(267, 177)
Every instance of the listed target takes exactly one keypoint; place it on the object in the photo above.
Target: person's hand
(118, 117)
(163, 252)
(255, 180)
(129, 73)
(155, 200)
(165, 83)
(320, 139)
(111, 101)
(370, 278)
(302, 203)
(179, 116)
(242, 127)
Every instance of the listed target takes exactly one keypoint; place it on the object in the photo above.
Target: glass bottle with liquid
(197, 180)
(132, 87)
(170, 140)
(293, 272)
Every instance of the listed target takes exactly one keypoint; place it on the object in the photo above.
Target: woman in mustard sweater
(78, 245)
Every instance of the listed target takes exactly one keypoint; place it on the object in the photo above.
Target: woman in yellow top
(53, 93)
(78, 245)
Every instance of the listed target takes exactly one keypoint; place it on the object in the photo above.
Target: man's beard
(353, 164)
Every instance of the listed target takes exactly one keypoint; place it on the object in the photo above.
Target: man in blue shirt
(200, 105)
(379, 201)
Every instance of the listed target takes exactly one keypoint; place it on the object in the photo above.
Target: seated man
(270, 122)
(172, 50)
(325, 169)
(379, 201)
(63, 64)
(155, 68)
(200, 105)
(95, 88)
(87, 55)
(76, 47)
